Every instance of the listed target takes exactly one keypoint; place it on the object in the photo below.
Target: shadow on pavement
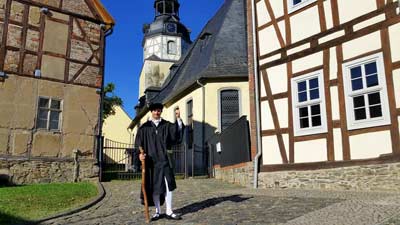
(192, 208)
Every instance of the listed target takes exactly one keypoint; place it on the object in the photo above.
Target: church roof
(220, 51)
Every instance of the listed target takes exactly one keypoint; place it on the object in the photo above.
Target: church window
(298, 4)
(309, 104)
(172, 48)
(366, 93)
(229, 107)
(49, 114)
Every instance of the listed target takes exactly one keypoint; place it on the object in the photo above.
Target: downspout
(257, 96)
(203, 131)
(100, 139)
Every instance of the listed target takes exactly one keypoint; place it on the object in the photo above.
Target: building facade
(329, 75)
(208, 82)
(51, 71)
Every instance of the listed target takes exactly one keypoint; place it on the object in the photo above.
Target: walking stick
(146, 204)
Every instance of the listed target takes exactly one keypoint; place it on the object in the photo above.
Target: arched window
(229, 107)
(171, 48)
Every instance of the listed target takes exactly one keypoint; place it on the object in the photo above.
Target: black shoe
(173, 216)
(156, 217)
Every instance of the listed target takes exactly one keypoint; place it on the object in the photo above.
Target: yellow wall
(115, 127)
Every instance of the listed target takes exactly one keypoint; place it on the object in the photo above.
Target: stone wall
(382, 177)
(241, 174)
(23, 171)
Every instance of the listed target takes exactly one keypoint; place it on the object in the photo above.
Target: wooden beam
(330, 165)
(69, 46)
(342, 110)
(274, 23)
(3, 50)
(369, 130)
(273, 132)
(24, 35)
(326, 68)
(310, 137)
(275, 117)
(307, 71)
(387, 58)
(396, 65)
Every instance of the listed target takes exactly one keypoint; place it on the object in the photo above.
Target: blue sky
(124, 54)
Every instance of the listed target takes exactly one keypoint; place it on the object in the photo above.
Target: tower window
(172, 48)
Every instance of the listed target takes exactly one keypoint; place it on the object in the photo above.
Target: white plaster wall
(267, 122)
(277, 7)
(370, 145)
(310, 151)
(328, 14)
(335, 103)
(333, 66)
(282, 111)
(352, 9)
(308, 62)
(262, 14)
(369, 22)
(305, 24)
(278, 78)
(268, 40)
(396, 83)
(263, 93)
(337, 143)
(271, 154)
(362, 45)
(394, 32)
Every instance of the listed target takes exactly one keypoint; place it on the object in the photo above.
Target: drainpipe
(257, 97)
(203, 131)
(100, 139)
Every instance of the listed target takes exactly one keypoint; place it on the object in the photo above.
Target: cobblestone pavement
(209, 201)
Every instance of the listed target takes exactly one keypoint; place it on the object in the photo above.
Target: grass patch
(32, 202)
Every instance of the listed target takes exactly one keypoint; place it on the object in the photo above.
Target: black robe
(155, 142)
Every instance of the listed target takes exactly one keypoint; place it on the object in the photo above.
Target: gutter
(203, 128)
(257, 96)
(100, 139)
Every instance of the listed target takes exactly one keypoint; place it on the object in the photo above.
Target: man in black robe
(155, 137)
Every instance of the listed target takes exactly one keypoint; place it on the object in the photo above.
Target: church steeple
(167, 7)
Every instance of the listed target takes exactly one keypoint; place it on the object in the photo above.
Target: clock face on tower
(171, 28)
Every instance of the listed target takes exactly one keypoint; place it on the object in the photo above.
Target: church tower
(165, 40)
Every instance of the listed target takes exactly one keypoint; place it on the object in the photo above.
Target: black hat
(154, 106)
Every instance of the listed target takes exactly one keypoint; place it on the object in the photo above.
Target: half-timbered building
(51, 71)
(329, 75)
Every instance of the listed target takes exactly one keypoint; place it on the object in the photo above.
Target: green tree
(110, 101)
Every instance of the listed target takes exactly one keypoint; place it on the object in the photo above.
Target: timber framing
(384, 159)
(330, 43)
(96, 46)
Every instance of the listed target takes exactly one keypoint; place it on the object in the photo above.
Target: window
(229, 108)
(171, 48)
(366, 93)
(49, 114)
(309, 104)
(189, 108)
(298, 4)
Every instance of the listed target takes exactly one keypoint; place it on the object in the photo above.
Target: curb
(100, 196)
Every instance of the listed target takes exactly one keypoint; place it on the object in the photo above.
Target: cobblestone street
(209, 201)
